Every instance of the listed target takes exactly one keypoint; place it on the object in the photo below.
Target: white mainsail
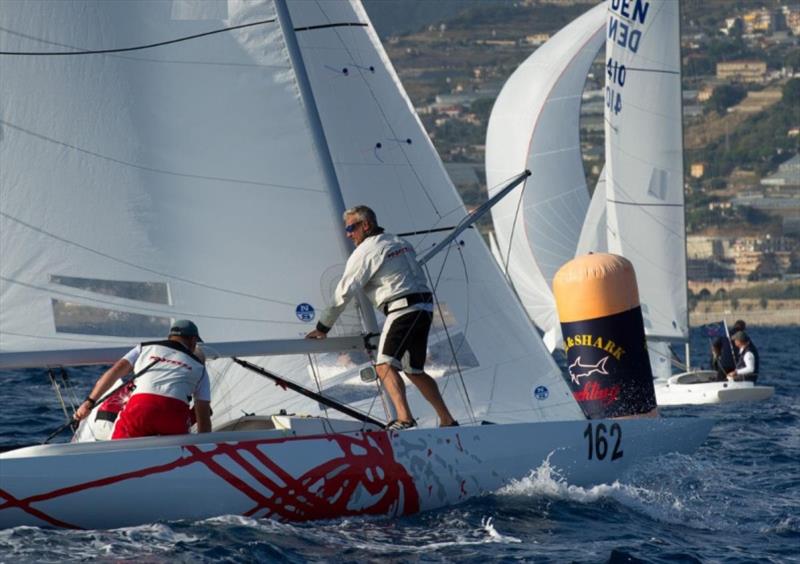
(203, 178)
(535, 124)
(644, 158)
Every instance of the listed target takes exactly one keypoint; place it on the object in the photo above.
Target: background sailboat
(195, 163)
(637, 208)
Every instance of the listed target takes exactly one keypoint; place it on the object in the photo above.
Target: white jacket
(385, 267)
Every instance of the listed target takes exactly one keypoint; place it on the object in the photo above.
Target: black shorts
(404, 340)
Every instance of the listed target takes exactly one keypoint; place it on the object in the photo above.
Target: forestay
(200, 178)
(644, 162)
(535, 125)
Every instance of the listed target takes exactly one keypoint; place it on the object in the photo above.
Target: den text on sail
(621, 30)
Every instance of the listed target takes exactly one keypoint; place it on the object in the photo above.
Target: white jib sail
(535, 124)
(189, 179)
(593, 237)
(644, 162)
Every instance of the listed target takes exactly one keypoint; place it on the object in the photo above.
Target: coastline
(777, 312)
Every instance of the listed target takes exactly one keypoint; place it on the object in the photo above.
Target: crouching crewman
(159, 402)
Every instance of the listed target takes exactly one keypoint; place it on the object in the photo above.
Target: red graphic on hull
(364, 480)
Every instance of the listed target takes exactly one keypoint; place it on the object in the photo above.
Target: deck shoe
(396, 425)
(453, 424)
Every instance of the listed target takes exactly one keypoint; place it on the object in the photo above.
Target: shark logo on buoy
(578, 370)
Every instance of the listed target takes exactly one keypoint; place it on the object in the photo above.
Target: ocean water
(737, 499)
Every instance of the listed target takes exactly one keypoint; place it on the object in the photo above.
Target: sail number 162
(598, 443)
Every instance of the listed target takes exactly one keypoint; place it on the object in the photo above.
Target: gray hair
(363, 213)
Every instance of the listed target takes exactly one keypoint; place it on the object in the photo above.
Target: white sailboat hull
(279, 474)
(700, 387)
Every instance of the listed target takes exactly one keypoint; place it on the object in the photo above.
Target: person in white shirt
(159, 402)
(385, 268)
(747, 363)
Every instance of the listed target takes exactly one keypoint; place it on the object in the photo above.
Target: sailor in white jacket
(385, 268)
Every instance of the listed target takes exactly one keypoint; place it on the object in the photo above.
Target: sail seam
(151, 169)
(642, 204)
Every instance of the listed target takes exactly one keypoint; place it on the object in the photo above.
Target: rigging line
(464, 339)
(57, 390)
(386, 119)
(74, 403)
(126, 308)
(511, 239)
(427, 231)
(157, 170)
(140, 267)
(454, 353)
(319, 391)
(138, 47)
(329, 25)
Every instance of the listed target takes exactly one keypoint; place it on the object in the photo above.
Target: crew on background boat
(717, 363)
(170, 373)
(747, 363)
(738, 325)
(385, 267)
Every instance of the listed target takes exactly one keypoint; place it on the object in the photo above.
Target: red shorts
(146, 415)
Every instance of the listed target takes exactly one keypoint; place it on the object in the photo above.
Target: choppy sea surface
(737, 499)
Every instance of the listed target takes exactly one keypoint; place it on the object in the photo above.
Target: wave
(665, 489)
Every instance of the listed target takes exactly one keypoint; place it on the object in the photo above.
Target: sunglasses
(352, 227)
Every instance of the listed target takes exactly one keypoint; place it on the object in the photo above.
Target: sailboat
(186, 159)
(637, 208)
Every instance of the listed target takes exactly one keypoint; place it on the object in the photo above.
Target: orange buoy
(601, 320)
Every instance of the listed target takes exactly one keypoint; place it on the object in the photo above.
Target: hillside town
(741, 110)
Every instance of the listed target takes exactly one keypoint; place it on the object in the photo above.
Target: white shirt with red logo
(177, 374)
(384, 266)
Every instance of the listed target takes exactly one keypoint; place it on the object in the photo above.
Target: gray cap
(741, 336)
(185, 328)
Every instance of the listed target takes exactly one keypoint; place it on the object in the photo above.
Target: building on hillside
(770, 256)
(762, 20)
(537, 38)
(697, 170)
(702, 270)
(705, 93)
(750, 70)
(792, 16)
(701, 247)
(788, 174)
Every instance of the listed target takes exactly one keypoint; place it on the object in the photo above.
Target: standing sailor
(385, 267)
(747, 360)
(159, 404)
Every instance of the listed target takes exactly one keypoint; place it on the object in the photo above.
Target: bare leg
(430, 391)
(394, 386)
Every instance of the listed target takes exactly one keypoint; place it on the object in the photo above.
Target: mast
(321, 142)
(683, 187)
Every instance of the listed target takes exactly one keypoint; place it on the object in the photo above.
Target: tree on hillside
(791, 93)
(769, 267)
(726, 96)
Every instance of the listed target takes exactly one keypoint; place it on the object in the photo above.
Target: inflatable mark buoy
(607, 363)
